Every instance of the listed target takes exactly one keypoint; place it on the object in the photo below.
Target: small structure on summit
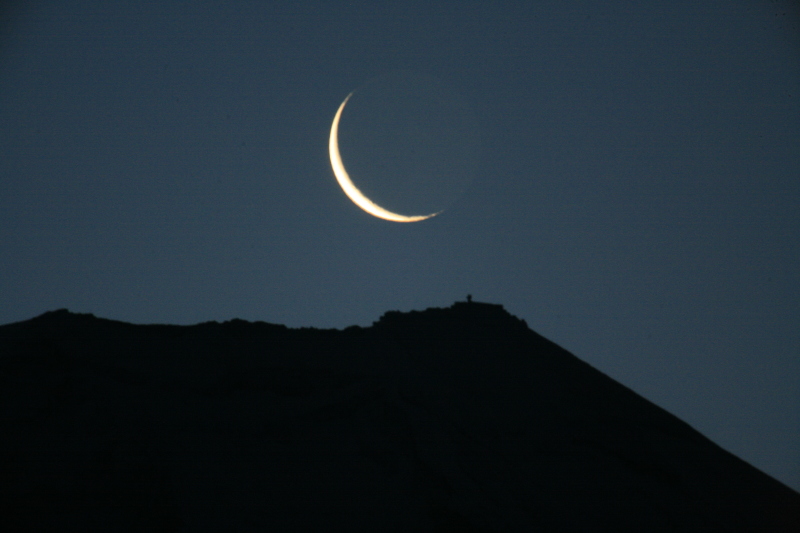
(469, 298)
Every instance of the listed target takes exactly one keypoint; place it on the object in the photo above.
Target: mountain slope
(456, 419)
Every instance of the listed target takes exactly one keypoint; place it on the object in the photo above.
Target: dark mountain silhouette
(456, 419)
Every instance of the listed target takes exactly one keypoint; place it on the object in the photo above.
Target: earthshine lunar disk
(349, 187)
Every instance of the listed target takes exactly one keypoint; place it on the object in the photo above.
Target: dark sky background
(635, 199)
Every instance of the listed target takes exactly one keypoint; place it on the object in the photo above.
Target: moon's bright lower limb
(347, 185)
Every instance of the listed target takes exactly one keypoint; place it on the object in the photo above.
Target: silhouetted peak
(60, 318)
(460, 313)
(464, 327)
(60, 314)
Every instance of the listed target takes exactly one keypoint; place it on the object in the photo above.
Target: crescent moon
(349, 187)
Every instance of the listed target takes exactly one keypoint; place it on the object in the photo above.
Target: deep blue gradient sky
(635, 201)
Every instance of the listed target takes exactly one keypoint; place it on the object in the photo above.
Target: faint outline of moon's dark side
(409, 143)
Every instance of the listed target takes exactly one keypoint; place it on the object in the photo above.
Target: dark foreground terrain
(457, 419)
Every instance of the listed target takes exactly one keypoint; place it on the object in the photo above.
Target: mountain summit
(453, 419)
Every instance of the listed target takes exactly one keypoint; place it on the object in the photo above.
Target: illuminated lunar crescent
(350, 189)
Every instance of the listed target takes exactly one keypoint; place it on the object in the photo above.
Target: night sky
(631, 179)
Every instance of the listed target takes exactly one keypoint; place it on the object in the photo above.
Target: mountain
(453, 419)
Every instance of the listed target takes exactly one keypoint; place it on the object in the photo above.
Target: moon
(349, 187)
